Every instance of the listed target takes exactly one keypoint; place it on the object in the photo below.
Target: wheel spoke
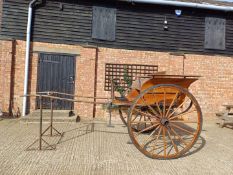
(178, 107)
(157, 147)
(174, 145)
(139, 121)
(164, 142)
(155, 113)
(151, 121)
(182, 121)
(142, 122)
(182, 114)
(171, 104)
(134, 118)
(187, 131)
(164, 103)
(146, 129)
(180, 138)
(157, 105)
(154, 147)
(163, 150)
(143, 113)
(170, 150)
(147, 140)
(159, 108)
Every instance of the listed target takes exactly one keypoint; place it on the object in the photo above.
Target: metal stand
(110, 104)
(110, 116)
(51, 127)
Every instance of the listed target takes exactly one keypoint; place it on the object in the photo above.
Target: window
(103, 23)
(215, 33)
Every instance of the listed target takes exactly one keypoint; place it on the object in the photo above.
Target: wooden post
(112, 90)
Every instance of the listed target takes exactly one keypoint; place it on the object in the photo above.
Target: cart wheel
(172, 127)
(137, 116)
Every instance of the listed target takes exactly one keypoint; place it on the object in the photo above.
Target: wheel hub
(164, 121)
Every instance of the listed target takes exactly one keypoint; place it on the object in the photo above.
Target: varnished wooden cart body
(183, 81)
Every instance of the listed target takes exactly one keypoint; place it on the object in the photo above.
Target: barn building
(76, 46)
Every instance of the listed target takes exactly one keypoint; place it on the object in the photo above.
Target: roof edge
(185, 4)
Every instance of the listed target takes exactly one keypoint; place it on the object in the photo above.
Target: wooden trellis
(117, 71)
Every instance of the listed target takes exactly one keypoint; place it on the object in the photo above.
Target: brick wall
(84, 73)
(212, 90)
(215, 85)
(5, 74)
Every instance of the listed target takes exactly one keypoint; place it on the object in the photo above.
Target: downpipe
(27, 58)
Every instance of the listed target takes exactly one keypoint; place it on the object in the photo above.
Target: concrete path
(106, 152)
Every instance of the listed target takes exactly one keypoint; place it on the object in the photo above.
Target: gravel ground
(106, 151)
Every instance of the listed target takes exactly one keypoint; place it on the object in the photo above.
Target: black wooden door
(56, 73)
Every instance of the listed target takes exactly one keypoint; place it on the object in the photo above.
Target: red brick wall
(5, 74)
(84, 74)
(212, 90)
(215, 87)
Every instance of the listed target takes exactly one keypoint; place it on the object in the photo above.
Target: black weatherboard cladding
(138, 26)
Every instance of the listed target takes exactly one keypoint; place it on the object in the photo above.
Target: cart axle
(164, 121)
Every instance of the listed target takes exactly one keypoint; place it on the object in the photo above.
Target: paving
(92, 148)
